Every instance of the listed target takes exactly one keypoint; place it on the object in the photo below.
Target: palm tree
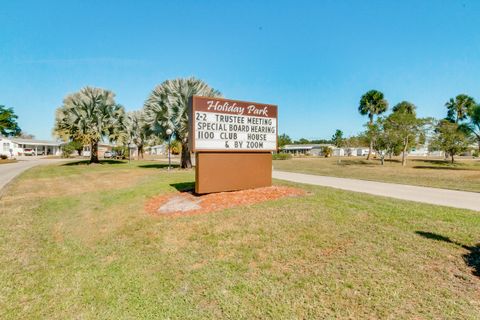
(405, 107)
(167, 108)
(138, 131)
(459, 107)
(8, 122)
(372, 103)
(89, 116)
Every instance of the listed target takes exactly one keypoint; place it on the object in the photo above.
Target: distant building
(102, 148)
(13, 147)
(316, 150)
(304, 149)
(160, 149)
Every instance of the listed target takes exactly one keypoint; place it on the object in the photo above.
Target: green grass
(75, 242)
(462, 175)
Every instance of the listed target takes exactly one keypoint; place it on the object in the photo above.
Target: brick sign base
(230, 171)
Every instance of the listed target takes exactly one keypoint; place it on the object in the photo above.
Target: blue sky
(313, 58)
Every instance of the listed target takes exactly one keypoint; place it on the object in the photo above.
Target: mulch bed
(187, 203)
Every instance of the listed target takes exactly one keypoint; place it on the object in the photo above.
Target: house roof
(304, 146)
(36, 142)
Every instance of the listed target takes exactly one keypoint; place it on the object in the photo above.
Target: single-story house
(350, 152)
(13, 147)
(306, 149)
(102, 148)
(160, 149)
(316, 150)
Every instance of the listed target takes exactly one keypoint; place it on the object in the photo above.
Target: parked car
(108, 155)
(29, 152)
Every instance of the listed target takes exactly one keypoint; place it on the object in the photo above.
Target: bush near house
(68, 149)
(281, 156)
(326, 151)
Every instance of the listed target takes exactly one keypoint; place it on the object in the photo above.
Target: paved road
(444, 197)
(9, 171)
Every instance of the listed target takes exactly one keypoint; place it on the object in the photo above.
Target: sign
(229, 125)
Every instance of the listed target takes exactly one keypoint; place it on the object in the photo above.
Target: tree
(372, 103)
(283, 140)
(405, 107)
(8, 122)
(78, 146)
(386, 140)
(450, 139)
(89, 116)
(303, 141)
(167, 108)
(403, 128)
(459, 108)
(337, 138)
(138, 131)
(26, 135)
(474, 125)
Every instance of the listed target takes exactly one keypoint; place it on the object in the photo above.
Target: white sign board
(228, 125)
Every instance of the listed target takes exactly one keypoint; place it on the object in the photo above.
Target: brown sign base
(223, 171)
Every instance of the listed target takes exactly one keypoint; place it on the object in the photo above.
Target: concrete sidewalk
(443, 197)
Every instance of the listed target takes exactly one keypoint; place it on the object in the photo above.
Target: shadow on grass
(343, 162)
(184, 186)
(87, 162)
(444, 168)
(432, 161)
(158, 166)
(472, 258)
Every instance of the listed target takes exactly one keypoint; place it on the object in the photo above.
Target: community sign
(232, 126)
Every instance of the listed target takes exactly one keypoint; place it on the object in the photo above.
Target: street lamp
(169, 134)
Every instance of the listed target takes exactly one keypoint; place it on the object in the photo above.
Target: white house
(316, 150)
(307, 149)
(13, 147)
(160, 149)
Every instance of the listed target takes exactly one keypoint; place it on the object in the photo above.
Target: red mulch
(222, 200)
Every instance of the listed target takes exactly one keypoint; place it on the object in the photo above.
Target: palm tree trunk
(404, 154)
(94, 152)
(370, 149)
(186, 161)
(140, 151)
(371, 138)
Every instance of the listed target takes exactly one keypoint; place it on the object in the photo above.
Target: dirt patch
(182, 203)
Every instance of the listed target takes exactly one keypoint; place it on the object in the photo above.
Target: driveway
(437, 196)
(9, 171)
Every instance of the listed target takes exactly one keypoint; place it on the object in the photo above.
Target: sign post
(232, 141)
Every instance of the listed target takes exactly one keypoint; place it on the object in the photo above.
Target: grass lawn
(462, 175)
(75, 242)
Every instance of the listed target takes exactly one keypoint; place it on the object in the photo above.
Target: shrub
(476, 154)
(3, 156)
(281, 156)
(326, 151)
(67, 150)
